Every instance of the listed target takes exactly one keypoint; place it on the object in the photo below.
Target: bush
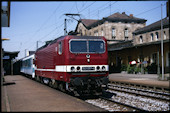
(130, 69)
(133, 69)
(137, 70)
(123, 67)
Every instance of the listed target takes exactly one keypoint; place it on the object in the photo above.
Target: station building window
(96, 33)
(113, 33)
(154, 58)
(102, 32)
(141, 39)
(90, 33)
(164, 35)
(152, 38)
(126, 33)
(157, 36)
(80, 32)
(85, 32)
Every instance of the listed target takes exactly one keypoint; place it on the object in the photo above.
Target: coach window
(60, 48)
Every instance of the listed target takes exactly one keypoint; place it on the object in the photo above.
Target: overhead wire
(52, 31)
(45, 22)
(87, 7)
(94, 13)
(77, 8)
(40, 39)
(149, 10)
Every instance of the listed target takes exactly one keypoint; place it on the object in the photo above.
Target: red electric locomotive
(77, 64)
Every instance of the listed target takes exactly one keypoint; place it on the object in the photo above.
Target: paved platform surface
(28, 95)
(143, 79)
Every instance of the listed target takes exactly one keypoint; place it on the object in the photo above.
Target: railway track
(108, 96)
(105, 101)
(157, 89)
(133, 108)
(141, 92)
(132, 101)
(128, 102)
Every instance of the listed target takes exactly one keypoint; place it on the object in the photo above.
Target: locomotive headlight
(72, 68)
(103, 68)
(78, 68)
(98, 68)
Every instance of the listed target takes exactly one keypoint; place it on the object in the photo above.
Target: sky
(40, 21)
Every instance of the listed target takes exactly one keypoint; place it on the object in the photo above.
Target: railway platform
(148, 80)
(20, 94)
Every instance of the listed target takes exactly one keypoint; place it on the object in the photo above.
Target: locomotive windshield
(87, 46)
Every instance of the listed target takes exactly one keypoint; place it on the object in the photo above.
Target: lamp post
(162, 53)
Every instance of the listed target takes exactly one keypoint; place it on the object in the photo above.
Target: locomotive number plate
(88, 68)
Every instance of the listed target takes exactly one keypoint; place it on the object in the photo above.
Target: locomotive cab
(88, 67)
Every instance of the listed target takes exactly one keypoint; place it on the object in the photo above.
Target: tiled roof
(116, 17)
(153, 26)
(122, 16)
(88, 22)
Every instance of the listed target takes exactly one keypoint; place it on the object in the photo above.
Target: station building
(116, 27)
(145, 48)
(129, 39)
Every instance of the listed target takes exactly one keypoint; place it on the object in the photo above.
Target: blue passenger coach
(28, 66)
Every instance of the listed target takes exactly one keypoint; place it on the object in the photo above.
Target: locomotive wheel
(55, 85)
(37, 78)
(41, 80)
(50, 84)
(61, 87)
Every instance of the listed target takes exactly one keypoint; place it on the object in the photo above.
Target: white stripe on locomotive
(67, 68)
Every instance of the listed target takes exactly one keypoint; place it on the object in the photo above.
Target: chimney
(131, 15)
(123, 12)
(26, 52)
